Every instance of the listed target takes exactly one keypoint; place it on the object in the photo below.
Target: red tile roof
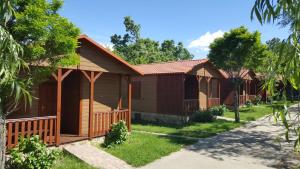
(170, 67)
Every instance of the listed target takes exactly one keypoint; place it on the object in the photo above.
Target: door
(203, 94)
(47, 99)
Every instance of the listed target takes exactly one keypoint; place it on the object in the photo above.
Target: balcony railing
(213, 102)
(243, 99)
(104, 120)
(44, 127)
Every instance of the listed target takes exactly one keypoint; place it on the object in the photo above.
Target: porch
(65, 110)
(200, 93)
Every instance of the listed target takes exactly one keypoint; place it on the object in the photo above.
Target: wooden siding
(170, 93)
(148, 100)
(207, 70)
(95, 60)
(106, 96)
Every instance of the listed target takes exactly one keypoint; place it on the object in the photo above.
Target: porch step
(96, 157)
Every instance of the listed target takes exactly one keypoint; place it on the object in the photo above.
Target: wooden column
(199, 90)
(208, 92)
(120, 93)
(129, 103)
(59, 77)
(58, 106)
(92, 78)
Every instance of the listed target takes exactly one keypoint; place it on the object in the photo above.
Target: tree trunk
(2, 141)
(236, 102)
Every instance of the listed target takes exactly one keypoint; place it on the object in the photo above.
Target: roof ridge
(170, 62)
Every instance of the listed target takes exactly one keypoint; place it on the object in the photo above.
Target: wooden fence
(26, 127)
(104, 120)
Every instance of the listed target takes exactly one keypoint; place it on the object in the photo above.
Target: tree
(137, 50)
(286, 14)
(234, 52)
(30, 31)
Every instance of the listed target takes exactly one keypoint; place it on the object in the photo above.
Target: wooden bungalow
(78, 102)
(250, 88)
(172, 91)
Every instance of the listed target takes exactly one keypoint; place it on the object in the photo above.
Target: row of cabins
(81, 102)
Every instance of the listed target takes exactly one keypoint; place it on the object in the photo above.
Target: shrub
(204, 116)
(256, 100)
(218, 110)
(117, 135)
(31, 153)
(248, 104)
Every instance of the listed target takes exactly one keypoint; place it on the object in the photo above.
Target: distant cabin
(172, 91)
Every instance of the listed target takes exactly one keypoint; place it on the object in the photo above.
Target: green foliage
(137, 50)
(117, 135)
(218, 110)
(257, 100)
(31, 153)
(249, 104)
(204, 116)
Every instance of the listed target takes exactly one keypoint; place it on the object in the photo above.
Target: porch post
(199, 90)
(58, 105)
(129, 103)
(208, 92)
(120, 93)
(91, 105)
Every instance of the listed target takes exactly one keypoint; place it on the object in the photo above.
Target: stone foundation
(159, 118)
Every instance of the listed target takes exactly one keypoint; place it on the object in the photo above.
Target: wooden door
(47, 99)
(203, 94)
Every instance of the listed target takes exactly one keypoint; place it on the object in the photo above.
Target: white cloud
(107, 45)
(203, 42)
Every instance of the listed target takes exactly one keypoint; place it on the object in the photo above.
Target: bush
(218, 110)
(248, 104)
(256, 100)
(31, 153)
(117, 135)
(204, 116)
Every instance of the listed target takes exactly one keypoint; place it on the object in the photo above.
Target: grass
(255, 112)
(67, 161)
(197, 130)
(141, 148)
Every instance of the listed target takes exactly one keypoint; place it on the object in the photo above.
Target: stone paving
(96, 157)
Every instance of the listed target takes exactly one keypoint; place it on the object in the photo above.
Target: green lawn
(67, 161)
(198, 130)
(141, 148)
(256, 112)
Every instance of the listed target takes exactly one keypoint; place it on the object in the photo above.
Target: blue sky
(194, 22)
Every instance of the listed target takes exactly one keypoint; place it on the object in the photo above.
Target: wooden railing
(251, 97)
(104, 120)
(190, 105)
(213, 102)
(44, 127)
(243, 99)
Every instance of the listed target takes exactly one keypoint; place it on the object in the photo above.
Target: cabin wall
(106, 96)
(170, 93)
(148, 100)
(93, 59)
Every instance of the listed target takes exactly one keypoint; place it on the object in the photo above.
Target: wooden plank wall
(148, 100)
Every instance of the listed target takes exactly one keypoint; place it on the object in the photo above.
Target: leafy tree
(30, 31)
(137, 50)
(286, 14)
(235, 51)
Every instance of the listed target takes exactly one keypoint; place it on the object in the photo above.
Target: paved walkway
(250, 147)
(96, 157)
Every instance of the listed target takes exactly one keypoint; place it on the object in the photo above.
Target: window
(136, 90)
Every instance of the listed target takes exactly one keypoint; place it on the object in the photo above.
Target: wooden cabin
(172, 91)
(251, 87)
(78, 102)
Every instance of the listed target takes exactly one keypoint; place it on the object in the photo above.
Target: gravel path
(249, 147)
